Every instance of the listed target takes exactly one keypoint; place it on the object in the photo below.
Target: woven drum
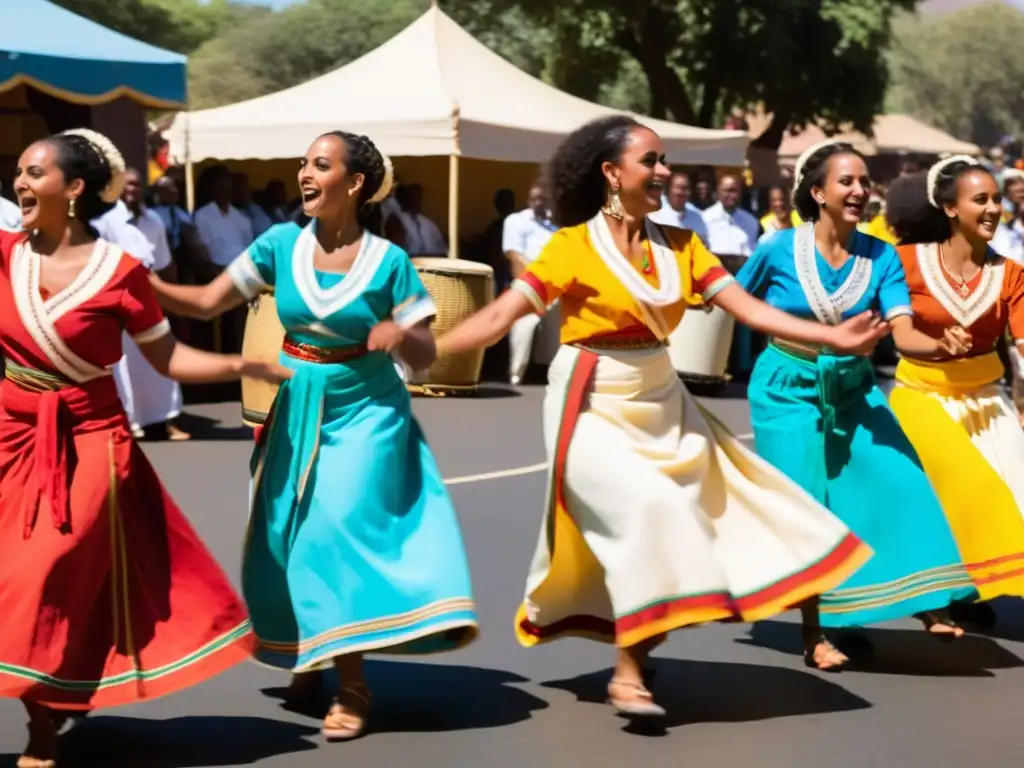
(263, 338)
(459, 288)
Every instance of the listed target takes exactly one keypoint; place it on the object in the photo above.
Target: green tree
(177, 25)
(802, 60)
(961, 72)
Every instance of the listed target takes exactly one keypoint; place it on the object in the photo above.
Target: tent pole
(453, 206)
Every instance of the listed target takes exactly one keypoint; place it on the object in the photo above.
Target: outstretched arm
(202, 302)
(488, 326)
(188, 365)
(858, 335)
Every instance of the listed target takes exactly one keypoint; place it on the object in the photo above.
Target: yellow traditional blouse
(602, 294)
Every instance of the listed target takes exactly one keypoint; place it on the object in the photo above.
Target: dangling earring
(71, 208)
(614, 207)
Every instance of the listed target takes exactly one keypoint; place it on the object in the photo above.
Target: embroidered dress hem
(438, 628)
(641, 474)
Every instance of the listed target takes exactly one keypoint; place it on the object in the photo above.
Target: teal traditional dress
(352, 543)
(822, 420)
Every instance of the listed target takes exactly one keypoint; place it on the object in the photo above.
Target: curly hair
(78, 158)
(362, 156)
(910, 214)
(575, 180)
(812, 174)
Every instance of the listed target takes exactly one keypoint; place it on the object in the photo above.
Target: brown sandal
(41, 751)
(346, 719)
(640, 702)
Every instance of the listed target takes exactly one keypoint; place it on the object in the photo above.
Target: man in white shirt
(241, 190)
(150, 400)
(224, 230)
(677, 210)
(420, 236)
(524, 235)
(731, 230)
(10, 216)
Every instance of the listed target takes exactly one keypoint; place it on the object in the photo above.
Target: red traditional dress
(107, 594)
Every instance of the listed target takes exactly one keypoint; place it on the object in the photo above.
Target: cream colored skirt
(658, 518)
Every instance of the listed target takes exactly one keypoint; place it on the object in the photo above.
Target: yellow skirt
(969, 440)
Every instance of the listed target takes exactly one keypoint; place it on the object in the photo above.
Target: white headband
(115, 161)
(798, 169)
(386, 183)
(935, 170)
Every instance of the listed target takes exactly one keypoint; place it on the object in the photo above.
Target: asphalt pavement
(737, 695)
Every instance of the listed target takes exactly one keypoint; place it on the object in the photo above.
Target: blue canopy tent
(76, 60)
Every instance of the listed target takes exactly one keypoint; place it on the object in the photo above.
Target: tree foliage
(177, 25)
(802, 60)
(961, 72)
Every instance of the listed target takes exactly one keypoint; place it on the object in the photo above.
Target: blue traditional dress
(822, 420)
(353, 544)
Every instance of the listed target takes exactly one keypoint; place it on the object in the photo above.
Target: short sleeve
(709, 276)
(755, 275)
(141, 314)
(893, 293)
(253, 271)
(1013, 293)
(549, 275)
(512, 235)
(411, 302)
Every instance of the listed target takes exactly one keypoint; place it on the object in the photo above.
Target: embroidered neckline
(324, 302)
(669, 288)
(828, 308)
(965, 310)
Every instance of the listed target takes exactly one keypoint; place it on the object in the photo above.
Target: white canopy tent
(432, 90)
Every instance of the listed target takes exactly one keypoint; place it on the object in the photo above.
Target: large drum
(699, 347)
(263, 338)
(459, 288)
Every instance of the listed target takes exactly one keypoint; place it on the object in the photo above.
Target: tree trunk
(774, 134)
(667, 89)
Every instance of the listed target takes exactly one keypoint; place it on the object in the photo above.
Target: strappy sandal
(346, 719)
(40, 742)
(639, 704)
(811, 646)
(932, 619)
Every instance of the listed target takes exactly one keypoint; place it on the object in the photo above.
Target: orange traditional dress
(964, 428)
(107, 594)
(657, 517)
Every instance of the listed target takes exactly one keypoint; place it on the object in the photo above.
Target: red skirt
(107, 593)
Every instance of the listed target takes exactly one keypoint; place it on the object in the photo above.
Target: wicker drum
(264, 335)
(459, 289)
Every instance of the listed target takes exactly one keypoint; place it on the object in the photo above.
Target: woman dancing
(820, 418)
(353, 544)
(657, 517)
(107, 594)
(964, 428)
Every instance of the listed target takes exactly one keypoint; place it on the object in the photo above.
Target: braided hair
(78, 158)
(915, 212)
(574, 175)
(811, 171)
(362, 156)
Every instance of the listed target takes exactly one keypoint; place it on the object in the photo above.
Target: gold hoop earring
(71, 208)
(614, 207)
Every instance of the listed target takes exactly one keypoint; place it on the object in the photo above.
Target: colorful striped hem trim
(677, 612)
(320, 656)
(220, 654)
(909, 588)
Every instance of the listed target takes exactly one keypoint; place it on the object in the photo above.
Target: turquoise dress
(823, 421)
(353, 544)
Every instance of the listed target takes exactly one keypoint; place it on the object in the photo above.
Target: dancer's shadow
(413, 697)
(723, 692)
(1010, 624)
(182, 742)
(205, 428)
(911, 652)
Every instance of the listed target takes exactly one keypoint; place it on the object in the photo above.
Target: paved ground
(737, 696)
